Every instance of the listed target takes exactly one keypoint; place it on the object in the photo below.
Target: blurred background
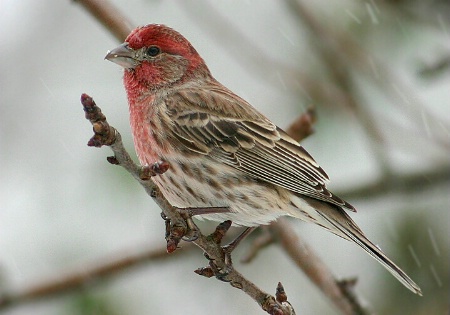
(378, 74)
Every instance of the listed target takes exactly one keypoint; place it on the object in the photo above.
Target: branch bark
(114, 21)
(342, 296)
(339, 292)
(109, 16)
(83, 277)
(104, 134)
(407, 184)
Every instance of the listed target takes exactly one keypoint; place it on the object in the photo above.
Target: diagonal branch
(343, 296)
(109, 16)
(104, 134)
(107, 135)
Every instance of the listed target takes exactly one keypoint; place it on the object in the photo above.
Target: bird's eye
(153, 51)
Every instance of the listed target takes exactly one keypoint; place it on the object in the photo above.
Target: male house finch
(221, 151)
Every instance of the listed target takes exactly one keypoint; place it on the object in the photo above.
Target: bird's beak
(123, 56)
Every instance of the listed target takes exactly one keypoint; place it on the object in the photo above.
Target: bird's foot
(213, 269)
(187, 214)
(175, 231)
(186, 229)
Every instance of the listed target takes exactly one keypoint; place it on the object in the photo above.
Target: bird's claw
(192, 232)
(220, 273)
(217, 236)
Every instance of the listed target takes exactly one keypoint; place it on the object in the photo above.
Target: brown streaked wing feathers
(226, 128)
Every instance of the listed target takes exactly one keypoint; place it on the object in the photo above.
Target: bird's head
(155, 56)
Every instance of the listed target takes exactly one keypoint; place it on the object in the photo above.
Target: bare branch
(110, 17)
(315, 269)
(104, 134)
(407, 184)
(261, 241)
(303, 126)
(84, 276)
(339, 292)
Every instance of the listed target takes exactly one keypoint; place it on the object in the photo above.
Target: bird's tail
(337, 221)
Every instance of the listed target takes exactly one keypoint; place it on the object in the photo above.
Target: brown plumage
(222, 152)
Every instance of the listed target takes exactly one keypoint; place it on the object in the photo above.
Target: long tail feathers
(376, 253)
(338, 222)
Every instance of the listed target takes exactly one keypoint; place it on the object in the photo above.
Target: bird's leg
(193, 232)
(184, 229)
(217, 236)
(188, 213)
(231, 246)
(175, 231)
(202, 210)
(227, 249)
(188, 231)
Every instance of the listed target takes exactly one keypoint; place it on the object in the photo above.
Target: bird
(221, 151)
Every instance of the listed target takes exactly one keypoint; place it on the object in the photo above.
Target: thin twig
(114, 21)
(303, 126)
(104, 134)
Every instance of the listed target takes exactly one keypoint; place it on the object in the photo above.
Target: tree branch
(339, 292)
(179, 226)
(109, 16)
(83, 277)
(408, 184)
(317, 271)
(104, 134)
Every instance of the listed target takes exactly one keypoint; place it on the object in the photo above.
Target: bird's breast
(149, 134)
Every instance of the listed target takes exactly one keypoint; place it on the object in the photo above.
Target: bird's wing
(219, 124)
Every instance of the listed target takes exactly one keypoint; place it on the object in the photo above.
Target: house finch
(222, 152)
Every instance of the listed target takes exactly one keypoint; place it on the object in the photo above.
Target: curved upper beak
(123, 56)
